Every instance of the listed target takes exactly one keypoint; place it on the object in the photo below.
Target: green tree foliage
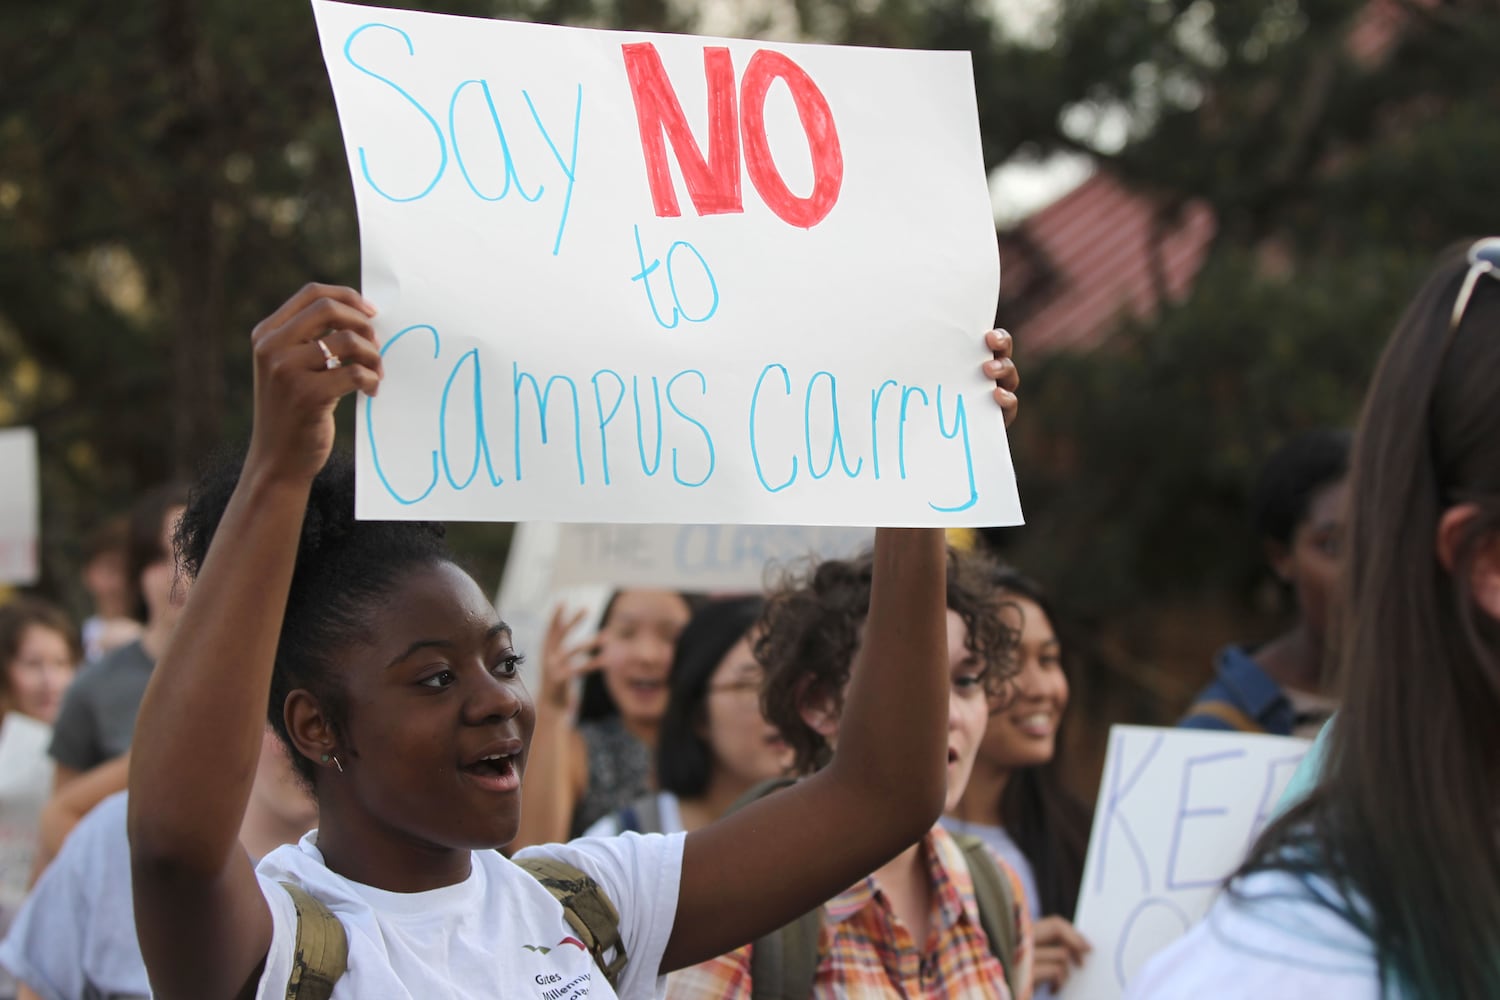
(1337, 167)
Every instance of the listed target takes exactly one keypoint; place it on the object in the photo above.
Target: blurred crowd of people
(676, 710)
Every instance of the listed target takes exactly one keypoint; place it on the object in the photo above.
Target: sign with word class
(628, 277)
(580, 565)
(20, 507)
(696, 557)
(1177, 811)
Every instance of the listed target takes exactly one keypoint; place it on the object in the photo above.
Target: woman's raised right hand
(564, 662)
(310, 353)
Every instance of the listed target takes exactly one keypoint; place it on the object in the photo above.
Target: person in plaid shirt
(912, 928)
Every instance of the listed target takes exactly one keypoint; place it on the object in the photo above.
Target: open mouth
(647, 686)
(952, 756)
(495, 772)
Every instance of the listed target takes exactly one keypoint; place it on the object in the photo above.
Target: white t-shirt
(1277, 944)
(25, 783)
(76, 933)
(496, 934)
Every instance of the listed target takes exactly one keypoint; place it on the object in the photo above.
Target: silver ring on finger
(330, 360)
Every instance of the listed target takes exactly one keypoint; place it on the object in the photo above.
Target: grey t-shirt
(97, 718)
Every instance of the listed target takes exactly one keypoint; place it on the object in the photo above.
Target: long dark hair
(684, 759)
(1048, 824)
(1402, 824)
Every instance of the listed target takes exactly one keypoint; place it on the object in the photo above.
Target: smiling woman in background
(1015, 801)
(604, 761)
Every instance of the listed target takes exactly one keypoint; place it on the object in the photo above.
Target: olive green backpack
(321, 954)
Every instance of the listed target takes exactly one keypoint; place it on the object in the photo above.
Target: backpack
(784, 963)
(321, 954)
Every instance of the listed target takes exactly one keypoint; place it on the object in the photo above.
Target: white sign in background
(635, 277)
(695, 557)
(20, 506)
(1177, 811)
(578, 565)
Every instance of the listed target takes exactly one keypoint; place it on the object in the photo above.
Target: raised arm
(779, 857)
(557, 769)
(785, 854)
(204, 927)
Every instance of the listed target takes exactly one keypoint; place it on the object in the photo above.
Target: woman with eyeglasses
(715, 744)
(1385, 880)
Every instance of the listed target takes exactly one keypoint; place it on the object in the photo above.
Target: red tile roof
(1071, 271)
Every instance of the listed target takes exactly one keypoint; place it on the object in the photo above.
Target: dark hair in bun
(345, 569)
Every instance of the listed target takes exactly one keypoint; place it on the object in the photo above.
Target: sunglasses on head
(1484, 259)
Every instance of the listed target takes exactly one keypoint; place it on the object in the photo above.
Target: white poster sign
(695, 557)
(1177, 810)
(646, 278)
(579, 565)
(20, 506)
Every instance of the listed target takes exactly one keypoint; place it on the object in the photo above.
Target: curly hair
(345, 569)
(812, 626)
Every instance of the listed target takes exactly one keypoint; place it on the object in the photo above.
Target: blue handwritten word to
(679, 253)
(485, 158)
(608, 424)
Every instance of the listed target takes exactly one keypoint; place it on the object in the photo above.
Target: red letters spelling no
(713, 182)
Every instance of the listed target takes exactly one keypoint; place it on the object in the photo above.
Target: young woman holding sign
(1385, 881)
(394, 683)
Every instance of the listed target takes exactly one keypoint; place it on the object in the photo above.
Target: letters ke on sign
(1177, 810)
(634, 277)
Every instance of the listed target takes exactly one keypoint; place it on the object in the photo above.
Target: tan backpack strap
(1227, 714)
(997, 904)
(321, 954)
(587, 910)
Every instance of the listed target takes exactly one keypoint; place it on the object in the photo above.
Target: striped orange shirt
(866, 953)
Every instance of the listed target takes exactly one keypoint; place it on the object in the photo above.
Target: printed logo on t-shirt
(542, 949)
